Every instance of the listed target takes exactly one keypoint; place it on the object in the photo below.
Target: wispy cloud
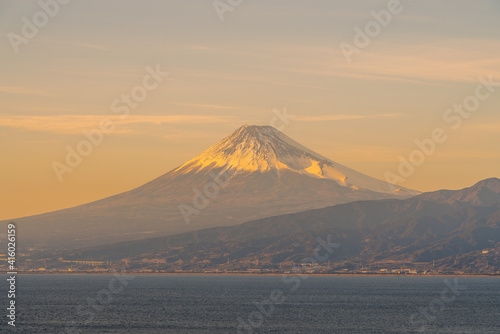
(348, 153)
(323, 118)
(435, 63)
(91, 46)
(48, 110)
(71, 124)
(23, 91)
(457, 60)
(482, 127)
(201, 48)
(207, 106)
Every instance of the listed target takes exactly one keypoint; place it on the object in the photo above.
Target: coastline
(247, 274)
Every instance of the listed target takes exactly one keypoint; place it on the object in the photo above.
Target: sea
(145, 304)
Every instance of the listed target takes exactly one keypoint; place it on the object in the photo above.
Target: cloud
(435, 63)
(91, 46)
(348, 153)
(456, 60)
(207, 106)
(23, 91)
(340, 117)
(72, 124)
(485, 127)
(201, 48)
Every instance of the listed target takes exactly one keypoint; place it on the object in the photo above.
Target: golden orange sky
(222, 74)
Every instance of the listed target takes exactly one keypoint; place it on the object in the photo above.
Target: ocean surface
(252, 304)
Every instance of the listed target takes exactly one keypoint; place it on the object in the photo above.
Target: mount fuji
(254, 173)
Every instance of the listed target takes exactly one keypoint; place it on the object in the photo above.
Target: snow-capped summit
(255, 172)
(254, 148)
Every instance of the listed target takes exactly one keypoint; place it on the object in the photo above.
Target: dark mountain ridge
(436, 226)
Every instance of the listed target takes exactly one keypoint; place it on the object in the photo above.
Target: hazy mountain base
(457, 230)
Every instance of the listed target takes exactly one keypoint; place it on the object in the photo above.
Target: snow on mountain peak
(253, 148)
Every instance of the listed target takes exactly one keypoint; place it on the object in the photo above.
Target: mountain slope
(418, 229)
(256, 172)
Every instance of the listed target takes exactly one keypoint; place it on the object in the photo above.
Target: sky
(70, 73)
